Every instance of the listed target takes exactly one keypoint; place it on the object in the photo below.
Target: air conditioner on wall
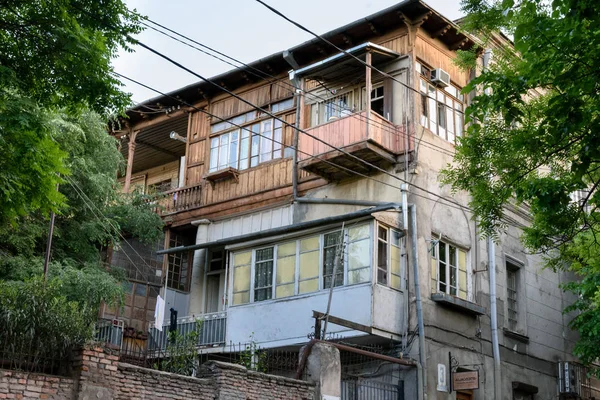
(440, 77)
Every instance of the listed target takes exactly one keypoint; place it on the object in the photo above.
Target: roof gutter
(282, 230)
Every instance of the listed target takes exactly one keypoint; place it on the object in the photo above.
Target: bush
(40, 326)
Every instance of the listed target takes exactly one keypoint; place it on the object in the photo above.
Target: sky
(243, 29)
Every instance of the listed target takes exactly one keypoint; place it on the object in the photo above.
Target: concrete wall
(289, 321)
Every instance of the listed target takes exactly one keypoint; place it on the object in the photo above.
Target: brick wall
(103, 376)
(28, 386)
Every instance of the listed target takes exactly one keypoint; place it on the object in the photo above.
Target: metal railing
(574, 380)
(369, 390)
(109, 331)
(211, 331)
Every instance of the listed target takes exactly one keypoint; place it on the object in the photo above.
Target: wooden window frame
(447, 268)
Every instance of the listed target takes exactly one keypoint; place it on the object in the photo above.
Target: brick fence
(100, 375)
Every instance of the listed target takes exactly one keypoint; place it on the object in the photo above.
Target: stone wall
(100, 375)
(28, 386)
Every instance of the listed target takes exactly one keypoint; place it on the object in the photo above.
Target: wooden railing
(351, 129)
(180, 199)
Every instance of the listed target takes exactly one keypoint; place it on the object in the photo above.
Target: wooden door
(464, 396)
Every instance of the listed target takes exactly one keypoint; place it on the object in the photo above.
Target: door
(212, 293)
(464, 396)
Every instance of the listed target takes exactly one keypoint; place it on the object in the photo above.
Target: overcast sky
(243, 29)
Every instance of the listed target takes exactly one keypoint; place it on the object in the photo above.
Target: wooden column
(132, 135)
(368, 88)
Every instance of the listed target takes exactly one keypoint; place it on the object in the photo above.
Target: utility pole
(49, 243)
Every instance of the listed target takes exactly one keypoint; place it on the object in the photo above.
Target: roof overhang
(344, 63)
(310, 52)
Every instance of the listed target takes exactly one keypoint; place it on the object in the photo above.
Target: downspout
(492, 278)
(297, 83)
(421, 327)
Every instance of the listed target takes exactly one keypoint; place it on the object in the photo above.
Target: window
(512, 295)
(160, 187)
(377, 100)
(303, 265)
(449, 269)
(388, 257)
(241, 149)
(263, 274)
(333, 254)
(441, 110)
(178, 268)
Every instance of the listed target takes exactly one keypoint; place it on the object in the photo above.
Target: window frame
(368, 278)
(517, 268)
(435, 256)
(442, 108)
(273, 260)
(277, 149)
(184, 274)
(389, 247)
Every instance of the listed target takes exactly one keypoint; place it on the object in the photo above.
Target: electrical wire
(274, 80)
(460, 207)
(360, 160)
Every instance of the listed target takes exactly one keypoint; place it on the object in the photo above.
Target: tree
(54, 55)
(534, 137)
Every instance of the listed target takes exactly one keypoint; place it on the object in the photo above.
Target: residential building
(262, 217)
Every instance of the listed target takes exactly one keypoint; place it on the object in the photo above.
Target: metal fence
(370, 390)
(211, 329)
(109, 331)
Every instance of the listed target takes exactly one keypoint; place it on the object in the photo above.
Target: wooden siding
(399, 44)
(349, 130)
(436, 54)
(154, 175)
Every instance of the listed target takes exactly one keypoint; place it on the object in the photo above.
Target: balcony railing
(180, 199)
(211, 331)
(365, 135)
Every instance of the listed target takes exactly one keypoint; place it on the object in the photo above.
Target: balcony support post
(132, 135)
(368, 88)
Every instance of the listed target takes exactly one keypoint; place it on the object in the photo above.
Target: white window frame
(435, 255)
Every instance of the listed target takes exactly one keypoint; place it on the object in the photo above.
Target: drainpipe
(492, 277)
(288, 56)
(345, 202)
(494, 319)
(421, 327)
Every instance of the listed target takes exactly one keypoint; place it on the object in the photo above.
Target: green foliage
(253, 357)
(39, 323)
(182, 352)
(536, 131)
(60, 50)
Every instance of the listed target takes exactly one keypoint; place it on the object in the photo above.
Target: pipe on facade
(419, 306)
(494, 319)
(343, 202)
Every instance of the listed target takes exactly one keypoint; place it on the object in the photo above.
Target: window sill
(458, 303)
(515, 335)
(223, 174)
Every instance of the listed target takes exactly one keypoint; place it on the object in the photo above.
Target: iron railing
(212, 328)
(574, 380)
(370, 390)
(109, 331)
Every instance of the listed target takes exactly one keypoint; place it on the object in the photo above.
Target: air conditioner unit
(440, 77)
(570, 378)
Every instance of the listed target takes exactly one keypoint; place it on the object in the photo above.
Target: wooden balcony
(373, 139)
(180, 199)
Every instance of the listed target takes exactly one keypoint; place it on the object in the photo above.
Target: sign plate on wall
(465, 380)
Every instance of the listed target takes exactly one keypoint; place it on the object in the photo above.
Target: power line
(458, 206)
(289, 124)
(90, 204)
(280, 83)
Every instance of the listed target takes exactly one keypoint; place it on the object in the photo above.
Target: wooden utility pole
(130, 155)
(49, 242)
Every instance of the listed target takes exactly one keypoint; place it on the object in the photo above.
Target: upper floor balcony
(354, 116)
(365, 135)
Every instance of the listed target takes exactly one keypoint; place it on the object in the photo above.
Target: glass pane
(358, 232)
(395, 239)
(255, 139)
(359, 276)
(442, 276)
(462, 260)
(223, 155)
(395, 281)
(450, 120)
(309, 265)
(233, 154)
(382, 233)
(214, 142)
(459, 123)
(441, 115)
(284, 290)
(241, 298)
(241, 278)
(433, 115)
(214, 159)
(308, 286)
(277, 143)
(287, 249)
(266, 146)
(395, 260)
(358, 255)
(286, 270)
(254, 161)
(308, 244)
(452, 256)
(242, 258)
